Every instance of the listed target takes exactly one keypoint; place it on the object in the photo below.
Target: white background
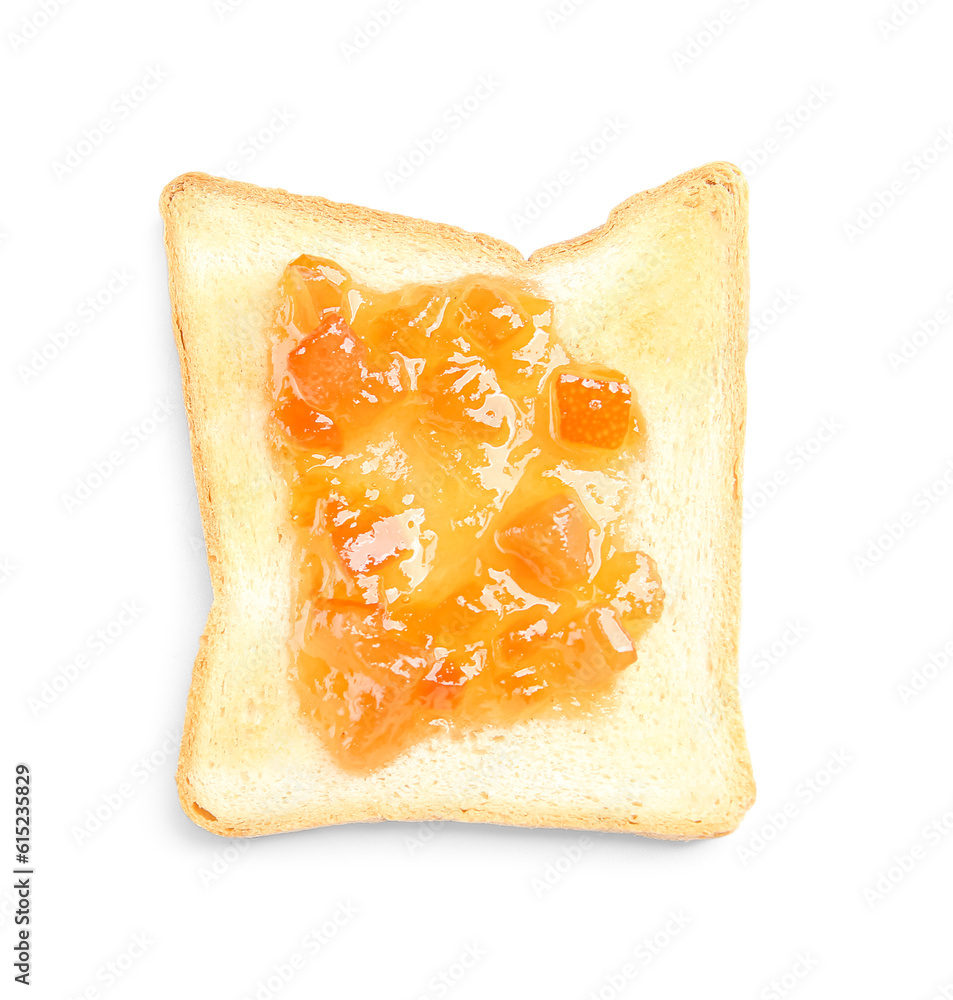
(811, 892)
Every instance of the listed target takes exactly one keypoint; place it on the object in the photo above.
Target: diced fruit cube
(322, 281)
(614, 642)
(332, 373)
(329, 366)
(360, 679)
(592, 409)
(632, 583)
(320, 267)
(366, 538)
(464, 397)
(540, 311)
(415, 325)
(443, 687)
(492, 318)
(528, 659)
(550, 543)
(304, 424)
(536, 660)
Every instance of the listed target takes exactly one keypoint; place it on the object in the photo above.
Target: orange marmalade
(456, 564)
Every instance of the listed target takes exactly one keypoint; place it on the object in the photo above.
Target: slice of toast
(659, 293)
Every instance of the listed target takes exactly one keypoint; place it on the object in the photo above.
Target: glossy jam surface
(454, 479)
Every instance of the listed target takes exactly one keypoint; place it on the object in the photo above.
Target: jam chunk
(366, 538)
(538, 660)
(493, 317)
(444, 686)
(313, 288)
(330, 369)
(330, 374)
(464, 397)
(550, 543)
(591, 409)
(414, 322)
(359, 679)
(632, 583)
(299, 421)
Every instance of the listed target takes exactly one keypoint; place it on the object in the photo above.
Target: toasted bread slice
(659, 293)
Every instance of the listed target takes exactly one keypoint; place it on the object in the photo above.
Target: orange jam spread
(454, 479)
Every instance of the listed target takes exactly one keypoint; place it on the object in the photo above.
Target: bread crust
(660, 291)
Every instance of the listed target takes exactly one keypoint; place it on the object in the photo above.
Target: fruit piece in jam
(592, 409)
(357, 680)
(451, 574)
(550, 543)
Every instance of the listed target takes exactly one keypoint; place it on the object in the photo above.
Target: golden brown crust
(660, 290)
